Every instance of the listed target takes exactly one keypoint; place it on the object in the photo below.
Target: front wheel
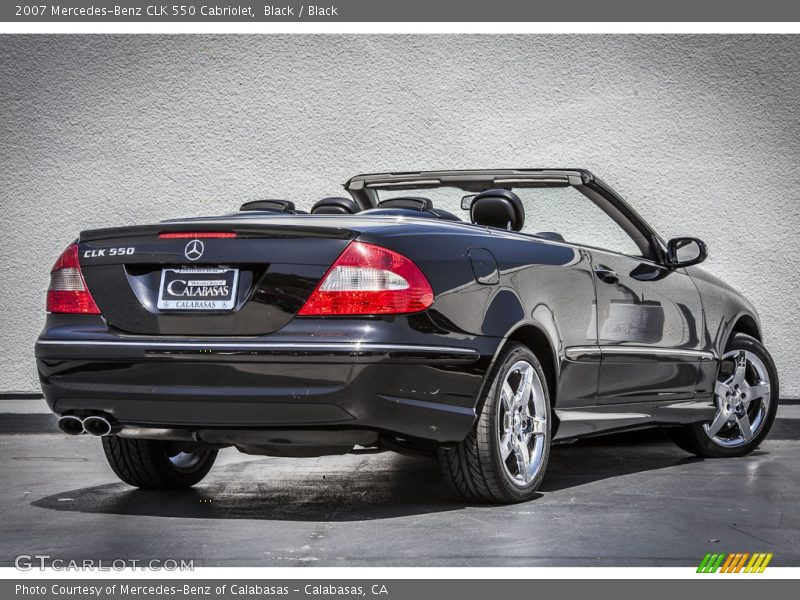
(746, 394)
(157, 464)
(504, 458)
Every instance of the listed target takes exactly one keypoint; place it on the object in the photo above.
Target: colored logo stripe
(734, 562)
(758, 563)
(710, 563)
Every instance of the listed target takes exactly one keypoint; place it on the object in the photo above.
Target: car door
(647, 317)
(648, 330)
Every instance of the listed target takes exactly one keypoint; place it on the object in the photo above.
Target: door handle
(606, 275)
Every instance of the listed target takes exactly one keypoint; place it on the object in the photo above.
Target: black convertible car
(548, 312)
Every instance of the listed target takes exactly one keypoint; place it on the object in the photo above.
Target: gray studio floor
(626, 500)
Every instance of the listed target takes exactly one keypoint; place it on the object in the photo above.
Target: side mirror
(466, 201)
(686, 251)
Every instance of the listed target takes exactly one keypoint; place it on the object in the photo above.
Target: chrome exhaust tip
(71, 425)
(97, 425)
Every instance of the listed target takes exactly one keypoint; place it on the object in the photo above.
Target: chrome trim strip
(410, 182)
(543, 179)
(460, 410)
(693, 404)
(590, 415)
(676, 352)
(595, 352)
(324, 347)
(585, 352)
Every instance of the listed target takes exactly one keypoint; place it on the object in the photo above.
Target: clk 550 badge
(98, 252)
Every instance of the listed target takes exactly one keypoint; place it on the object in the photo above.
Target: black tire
(474, 468)
(694, 439)
(156, 464)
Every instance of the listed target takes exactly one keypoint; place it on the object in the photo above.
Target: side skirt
(587, 421)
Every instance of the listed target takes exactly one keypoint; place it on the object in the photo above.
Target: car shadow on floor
(398, 486)
(282, 490)
(609, 456)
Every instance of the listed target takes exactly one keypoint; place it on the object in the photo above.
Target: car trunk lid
(205, 277)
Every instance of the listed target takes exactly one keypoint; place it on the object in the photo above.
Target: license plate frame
(190, 289)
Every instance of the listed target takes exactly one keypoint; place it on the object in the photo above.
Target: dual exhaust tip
(93, 425)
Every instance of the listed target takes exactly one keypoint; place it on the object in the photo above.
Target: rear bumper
(417, 390)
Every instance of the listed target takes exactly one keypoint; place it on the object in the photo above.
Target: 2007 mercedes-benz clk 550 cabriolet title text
(549, 311)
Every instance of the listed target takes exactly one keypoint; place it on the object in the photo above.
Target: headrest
(397, 212)
(412, 202)
(498, 208)
(335, 206)
(444, 214)
(282, 206)
(550, 235)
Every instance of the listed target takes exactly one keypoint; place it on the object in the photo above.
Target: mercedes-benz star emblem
(194, 250)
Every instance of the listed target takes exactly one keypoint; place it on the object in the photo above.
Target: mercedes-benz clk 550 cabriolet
(549, 311)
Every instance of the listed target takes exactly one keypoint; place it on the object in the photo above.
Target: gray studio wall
(701, 134)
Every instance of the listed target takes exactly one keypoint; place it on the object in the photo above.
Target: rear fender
(538, 338)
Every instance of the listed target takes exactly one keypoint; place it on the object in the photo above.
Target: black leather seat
(410, 202)
(271, 205)
(498, 208)
(411, 206)
(335, 205)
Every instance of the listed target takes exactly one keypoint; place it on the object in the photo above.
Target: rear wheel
(504, 458)
(157, 464)
(746, 395)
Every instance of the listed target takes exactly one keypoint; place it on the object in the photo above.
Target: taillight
(369, 280)
(67, 292)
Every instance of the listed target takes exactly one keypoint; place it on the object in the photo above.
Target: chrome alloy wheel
(742, 395)
(521, 421)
